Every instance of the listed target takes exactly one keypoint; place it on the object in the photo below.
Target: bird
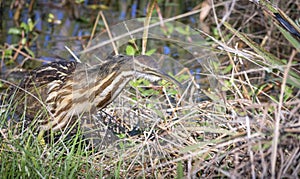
(56, 94)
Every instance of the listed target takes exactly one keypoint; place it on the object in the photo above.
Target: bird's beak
(172, 80)
(154, 70)
(169, 78)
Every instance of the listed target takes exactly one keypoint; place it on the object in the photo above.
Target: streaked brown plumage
(66, 90)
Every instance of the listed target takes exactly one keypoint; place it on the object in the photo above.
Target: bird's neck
(100, 85)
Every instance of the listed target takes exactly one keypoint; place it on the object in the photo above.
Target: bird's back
(30, 96)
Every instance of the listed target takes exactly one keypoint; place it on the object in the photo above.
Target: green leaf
(79, 1)
(25, 27)
(130, 50)
(182, 77)
(23, 41)
(172, 91)
(227, 69)
(7, 52)
(133, 83)
(14, 31)
(30, 25)
(51, 16)
(121, 136)
(150, 52)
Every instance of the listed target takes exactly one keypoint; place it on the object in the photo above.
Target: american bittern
(66, 90)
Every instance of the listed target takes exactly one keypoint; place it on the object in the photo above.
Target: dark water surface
(70, 25)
